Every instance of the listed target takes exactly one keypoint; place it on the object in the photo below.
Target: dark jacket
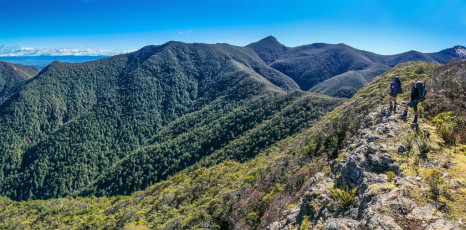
(393, 88)
(414, 93)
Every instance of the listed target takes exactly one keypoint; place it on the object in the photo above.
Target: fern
(343, 197)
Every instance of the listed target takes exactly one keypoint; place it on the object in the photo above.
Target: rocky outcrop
(380, 203)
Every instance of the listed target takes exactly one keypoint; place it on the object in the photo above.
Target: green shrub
(447, 126)
(291, 206)
(251, 219)
(278, 188)
(416, 170)
(416, 138)
(422, 142)
(306, 224)
(434, 179)
(340, 157)
(420, 70)
(249, 179)
(391, 176)
(343, 197)
(408, 141)
(460, 149)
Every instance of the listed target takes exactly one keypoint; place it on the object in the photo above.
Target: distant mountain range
(41, 62)
(119, 124)
(337, 69)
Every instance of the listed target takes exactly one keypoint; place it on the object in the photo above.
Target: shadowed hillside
(12, 77)
(75, 122)
(313, 66)
(295, 183)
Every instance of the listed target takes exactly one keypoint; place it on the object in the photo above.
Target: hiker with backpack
(417, 95)
(395, 88)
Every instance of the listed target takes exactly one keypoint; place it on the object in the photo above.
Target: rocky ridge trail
(380, 202)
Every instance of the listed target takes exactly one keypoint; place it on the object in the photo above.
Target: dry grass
(454, 199)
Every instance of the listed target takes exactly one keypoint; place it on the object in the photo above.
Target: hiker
(395, 87)
(417, 95)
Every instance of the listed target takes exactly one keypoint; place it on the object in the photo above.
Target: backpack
(421, 90)
(398, 85)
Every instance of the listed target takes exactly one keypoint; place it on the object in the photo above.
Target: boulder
(351, 170)
(442, 224)
(372, 149)
(341, 224)
(380, 163)
(402, 205)
(369, 179)
(427, 213)
(384, 222)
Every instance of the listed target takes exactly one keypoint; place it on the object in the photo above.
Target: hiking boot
(404, 116)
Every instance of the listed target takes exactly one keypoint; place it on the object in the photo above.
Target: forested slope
(75, 122)
(222, 131)
(258, 192)
(13, 77)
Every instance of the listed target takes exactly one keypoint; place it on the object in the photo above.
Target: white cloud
(14, 51)
(186, 32)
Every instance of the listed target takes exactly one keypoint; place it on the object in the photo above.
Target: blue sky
(112, 26)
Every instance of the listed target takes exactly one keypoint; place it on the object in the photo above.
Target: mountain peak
(268, 49)
(269, 38)
(460, 51)
(457, 51)
(269, 41)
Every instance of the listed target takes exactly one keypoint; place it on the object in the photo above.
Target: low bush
(447, 126)
(434, 179)
(343, 197)
(391, 176)
(306, 224)
(278, 188)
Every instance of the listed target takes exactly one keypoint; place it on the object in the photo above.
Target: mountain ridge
(114, 105)
(310, 68)
(311, 65)
(76, 121)
(289, 184)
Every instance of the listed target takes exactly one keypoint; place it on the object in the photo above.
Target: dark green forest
(120, 124)
(13, 77)
(264, 168)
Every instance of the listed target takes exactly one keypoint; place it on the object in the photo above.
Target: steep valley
(289, 184)
(215, 136)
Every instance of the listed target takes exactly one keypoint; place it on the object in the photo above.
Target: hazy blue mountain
(41, 62)
(310, 66)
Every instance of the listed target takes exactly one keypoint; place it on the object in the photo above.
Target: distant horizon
(41, 61)
(80, 53)
(109, 27)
